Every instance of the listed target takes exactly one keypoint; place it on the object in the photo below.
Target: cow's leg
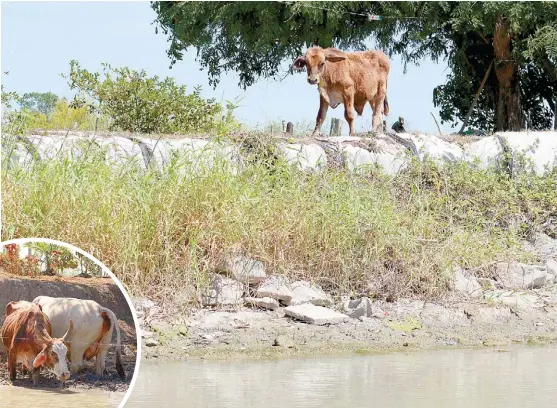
(76, 357)
(378, 105)
(12, 366)
(321, 115)
(102, 351)
(349, 109)
(100, 363)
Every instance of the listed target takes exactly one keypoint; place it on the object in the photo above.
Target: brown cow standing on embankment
(350, 78)
(26, 336)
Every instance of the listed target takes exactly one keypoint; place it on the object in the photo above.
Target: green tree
(56, 258)
(67, 117)
(136, 102)
(39, 102)
(255, 38)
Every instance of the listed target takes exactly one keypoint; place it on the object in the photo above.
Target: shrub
(11, 263)
(67, 117)
(138, 103)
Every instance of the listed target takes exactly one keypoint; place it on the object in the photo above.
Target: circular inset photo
(69, 332)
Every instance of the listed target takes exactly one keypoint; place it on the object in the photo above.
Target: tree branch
(475, 101)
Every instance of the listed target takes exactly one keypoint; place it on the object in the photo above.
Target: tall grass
(163, 234)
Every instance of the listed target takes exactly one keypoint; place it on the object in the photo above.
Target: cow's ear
(40, 359)
(334, 55)
(299, 63)
(10, 307)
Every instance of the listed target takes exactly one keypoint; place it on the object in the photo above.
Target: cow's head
(315, 59)
(53, 355)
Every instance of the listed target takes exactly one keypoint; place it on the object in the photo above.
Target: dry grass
(369, 233)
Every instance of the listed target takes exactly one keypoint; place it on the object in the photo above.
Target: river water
(517, 378)
(55, 398)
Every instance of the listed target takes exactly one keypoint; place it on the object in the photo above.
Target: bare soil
(101, 290)
(402, 325)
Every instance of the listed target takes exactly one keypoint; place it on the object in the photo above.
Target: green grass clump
(163, 234)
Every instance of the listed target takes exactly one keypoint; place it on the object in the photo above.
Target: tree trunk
(510, 115)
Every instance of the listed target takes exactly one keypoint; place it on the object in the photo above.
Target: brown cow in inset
(26, 337)
(350, 78)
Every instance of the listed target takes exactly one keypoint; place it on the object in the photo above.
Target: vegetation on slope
(369, 233)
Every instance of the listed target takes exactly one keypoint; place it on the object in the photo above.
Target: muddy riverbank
(401, 325)
(512, 303)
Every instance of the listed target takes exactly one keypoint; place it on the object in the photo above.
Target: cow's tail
(119, 366)
(386, 106)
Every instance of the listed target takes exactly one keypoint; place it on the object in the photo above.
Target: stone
(358, 308)
(465, 283)
(306, 157)
(275, 287)
(223, 291)
(542, 245)
(434, 147)
(550, 278)
(520, 300)
(141, 304)
(486, 284)
(515, 275)
(551, 265)
(317, 315)
(486, 151)
(244, 269)
(538, 146)
(307, 292)
(264, 303)
(151, 342)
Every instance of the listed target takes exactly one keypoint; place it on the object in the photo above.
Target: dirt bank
(402, 325)
(101, 290)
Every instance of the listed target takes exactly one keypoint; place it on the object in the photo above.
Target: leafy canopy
(255, 38)
(43, 103)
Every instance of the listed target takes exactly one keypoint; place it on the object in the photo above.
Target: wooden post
(290, 128)
(335, 127)
(283, 126)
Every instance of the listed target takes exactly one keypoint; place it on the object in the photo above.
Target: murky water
(56, 398)
(519, 378)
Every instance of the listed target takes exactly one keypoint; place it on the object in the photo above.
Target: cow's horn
(70, 328)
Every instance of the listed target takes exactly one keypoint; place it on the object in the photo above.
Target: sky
(39, 39)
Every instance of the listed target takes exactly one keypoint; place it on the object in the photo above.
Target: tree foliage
(67, 117)
(255, 38)
(39, 102)
(138, 103)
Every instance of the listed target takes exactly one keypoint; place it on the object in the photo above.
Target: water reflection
(520, 378)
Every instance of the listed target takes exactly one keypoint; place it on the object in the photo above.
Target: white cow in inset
(92, 330)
